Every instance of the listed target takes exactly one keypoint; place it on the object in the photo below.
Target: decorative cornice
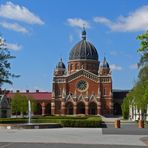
(83, 60)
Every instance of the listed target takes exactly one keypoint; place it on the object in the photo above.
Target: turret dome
(105, 63)
(60, 65)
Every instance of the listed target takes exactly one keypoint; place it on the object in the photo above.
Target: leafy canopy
(5, 65)
(138, 96)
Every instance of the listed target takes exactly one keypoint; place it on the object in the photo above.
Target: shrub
(66, 121)
(13, 120)
(59, 117)
(80, 123)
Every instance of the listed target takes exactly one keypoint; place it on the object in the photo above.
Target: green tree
(5, 65)
(139, 94)
(19, 104)
(16, 103)
(143, 42)
(142, 83)
(23, 105)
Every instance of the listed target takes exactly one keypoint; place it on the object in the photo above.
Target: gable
(83, 73)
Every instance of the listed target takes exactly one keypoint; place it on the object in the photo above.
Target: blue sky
(40, 32)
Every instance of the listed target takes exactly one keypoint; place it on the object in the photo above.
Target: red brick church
(86, 86)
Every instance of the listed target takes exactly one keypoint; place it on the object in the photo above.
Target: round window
(82, 85)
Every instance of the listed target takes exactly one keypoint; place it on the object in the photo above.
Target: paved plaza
(71, 137)
(61, 145)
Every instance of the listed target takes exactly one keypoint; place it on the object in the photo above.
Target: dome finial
(84, 33)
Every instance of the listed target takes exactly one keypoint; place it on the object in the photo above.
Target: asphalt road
(61, 145)
(126, 129)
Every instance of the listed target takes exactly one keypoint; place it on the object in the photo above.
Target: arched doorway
(48, 109)
(69, 108)
(80, 108)
(92, 108)
(38, 110)
(117, 109)
(3, 113)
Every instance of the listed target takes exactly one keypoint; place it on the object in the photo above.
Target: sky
(41, 32)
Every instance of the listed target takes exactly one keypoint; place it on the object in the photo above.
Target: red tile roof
(36, 95)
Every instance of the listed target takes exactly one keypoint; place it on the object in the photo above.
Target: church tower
(86, 87)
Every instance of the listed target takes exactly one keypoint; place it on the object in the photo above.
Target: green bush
(94, 118)
(46, 120)
(66, 121)
(80, 123)
(13, 120)
(59, 117)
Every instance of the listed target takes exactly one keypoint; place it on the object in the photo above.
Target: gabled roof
(35, 95)
(85, 73)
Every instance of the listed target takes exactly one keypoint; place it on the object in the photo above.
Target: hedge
(60, 117)
(66, 121)
(80, 123)
(13, 120)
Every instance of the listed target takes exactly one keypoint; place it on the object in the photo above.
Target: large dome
(83, 50)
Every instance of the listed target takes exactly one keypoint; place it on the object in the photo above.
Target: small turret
(60, 69)
(104, 68)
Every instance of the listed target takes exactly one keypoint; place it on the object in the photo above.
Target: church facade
(86, 86)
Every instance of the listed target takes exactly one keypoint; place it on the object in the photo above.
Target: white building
(137, 114)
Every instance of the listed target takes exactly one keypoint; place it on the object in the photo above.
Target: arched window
(76, 66)
(104, 91)
(80, 108)
(71, 66)
(69, 108)
(92, 108)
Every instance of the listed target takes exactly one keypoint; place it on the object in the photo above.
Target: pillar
(99, 108)
(75, 109)
(62, 108)
(86, 109)
(117, 124)
(111, 106)
(52, 108)
(43, 109)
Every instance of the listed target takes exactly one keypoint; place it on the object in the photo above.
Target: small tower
(60, 69)
(104, 68)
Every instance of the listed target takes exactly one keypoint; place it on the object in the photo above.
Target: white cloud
(102, 20)
(115, 67)
(13, 26)
(78, 22)
(135, 21)
(19, 13)
(15, 47)
(133, 66)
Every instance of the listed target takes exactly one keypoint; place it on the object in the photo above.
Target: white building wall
(135, 114)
